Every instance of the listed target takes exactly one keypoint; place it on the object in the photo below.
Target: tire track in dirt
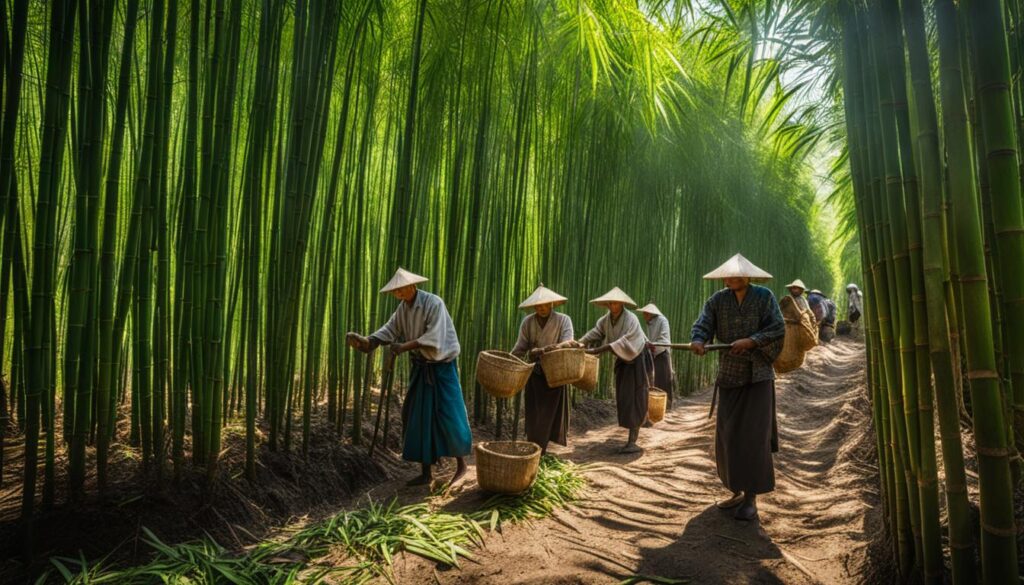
(653, 513)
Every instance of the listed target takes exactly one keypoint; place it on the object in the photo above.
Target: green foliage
(362, 543)
(559, 483)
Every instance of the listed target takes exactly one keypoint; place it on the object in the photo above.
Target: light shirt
(658, 332)
(855, 301)
(625, 335)
(427, 321)
(531, 335)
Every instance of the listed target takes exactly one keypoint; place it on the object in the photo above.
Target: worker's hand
(536, 352)
(574, 344)
(741, 346)
(697, 347)
(358, 342)
(650, 346)
(398, 348)
(598, 350)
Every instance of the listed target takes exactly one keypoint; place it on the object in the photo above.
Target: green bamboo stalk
(998, 548)
(994, 99)
(40, 367)
(960, 532)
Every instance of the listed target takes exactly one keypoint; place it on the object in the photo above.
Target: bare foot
(460, 470)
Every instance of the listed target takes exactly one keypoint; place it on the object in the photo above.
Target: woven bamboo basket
(590, 370)
(791, 357)
(501, 374)
(806, 336)
(563, 366)
(656, 400)
(506, 467)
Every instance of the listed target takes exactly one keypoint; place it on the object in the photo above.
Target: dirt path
(653, 514)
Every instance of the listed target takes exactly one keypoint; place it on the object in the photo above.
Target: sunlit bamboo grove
(932, 101)
(200, 197)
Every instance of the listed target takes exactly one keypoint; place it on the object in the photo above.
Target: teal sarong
(434, 414)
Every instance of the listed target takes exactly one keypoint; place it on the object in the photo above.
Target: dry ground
(653, 513)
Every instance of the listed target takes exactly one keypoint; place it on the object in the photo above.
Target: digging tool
(689, 346)
(385, 394)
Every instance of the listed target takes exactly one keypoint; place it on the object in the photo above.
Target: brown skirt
(746, 435)
(631, 388)
(547, 411)
(664, 377)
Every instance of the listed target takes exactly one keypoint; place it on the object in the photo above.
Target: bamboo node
(982, 375)
(1002, 153)
(961, 545)
(974, 278)
(1006, 532)
(994, 85)
(993, 451)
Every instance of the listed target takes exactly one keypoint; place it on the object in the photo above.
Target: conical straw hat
(853, 286)
(402, 278)
(737, 267)
(542, 296)
(797, 283)
(616, 295)
(649, 308)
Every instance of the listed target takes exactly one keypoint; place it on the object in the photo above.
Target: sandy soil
(653, 513)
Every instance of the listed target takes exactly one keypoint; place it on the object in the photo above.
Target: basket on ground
(590, 370)
(563, 366)
(501, 374)
(656, 399)
(506, 467)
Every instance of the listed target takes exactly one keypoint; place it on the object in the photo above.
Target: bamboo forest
(262, 262)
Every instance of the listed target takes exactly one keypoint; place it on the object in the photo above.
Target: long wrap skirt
(664, 377)
(547, 411)
(434, 414)
(746, 435)
(632, 382)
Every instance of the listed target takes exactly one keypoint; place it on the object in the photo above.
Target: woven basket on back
(506, 467)
(501, 374)
(806, 335)
(791, 357)
(656, 399)
(563, 366)
(590, 370)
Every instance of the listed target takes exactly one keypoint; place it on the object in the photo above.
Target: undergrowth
(351, 547)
